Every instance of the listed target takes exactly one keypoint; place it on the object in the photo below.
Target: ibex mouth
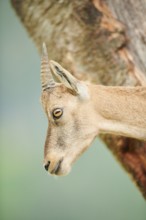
(57, 168)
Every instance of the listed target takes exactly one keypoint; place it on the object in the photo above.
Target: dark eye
(57, 113)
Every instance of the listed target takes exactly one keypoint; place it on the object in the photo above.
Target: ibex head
(67, 105)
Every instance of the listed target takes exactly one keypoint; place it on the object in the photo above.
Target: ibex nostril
(47, 166)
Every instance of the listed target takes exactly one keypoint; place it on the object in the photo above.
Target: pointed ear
(64, 76)
(78, 87)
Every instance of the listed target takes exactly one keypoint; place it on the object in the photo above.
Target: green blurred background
(97, 187)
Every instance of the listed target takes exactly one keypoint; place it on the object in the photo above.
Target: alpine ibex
(77, 112)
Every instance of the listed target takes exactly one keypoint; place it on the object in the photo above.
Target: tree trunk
(103, 41)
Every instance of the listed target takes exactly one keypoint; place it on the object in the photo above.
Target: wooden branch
(132, 14)
(85, 38)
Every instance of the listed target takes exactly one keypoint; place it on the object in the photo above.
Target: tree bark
(103, 41)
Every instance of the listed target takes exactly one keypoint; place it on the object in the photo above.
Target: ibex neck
(122, 110)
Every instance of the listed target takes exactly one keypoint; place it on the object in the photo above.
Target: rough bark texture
(103, 41)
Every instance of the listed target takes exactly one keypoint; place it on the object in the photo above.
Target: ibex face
(67, 108)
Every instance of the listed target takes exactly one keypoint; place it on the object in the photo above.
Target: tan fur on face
(68, 137)
(113, 110)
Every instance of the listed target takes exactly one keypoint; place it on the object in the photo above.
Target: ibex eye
(57, 113)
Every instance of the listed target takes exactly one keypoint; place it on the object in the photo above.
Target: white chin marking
(65, 170)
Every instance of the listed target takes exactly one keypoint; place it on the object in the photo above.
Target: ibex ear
(64, 76)
(78, 87)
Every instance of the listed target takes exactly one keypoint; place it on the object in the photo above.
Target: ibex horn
(46, 76)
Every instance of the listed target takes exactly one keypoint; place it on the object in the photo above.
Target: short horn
(46, 76)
